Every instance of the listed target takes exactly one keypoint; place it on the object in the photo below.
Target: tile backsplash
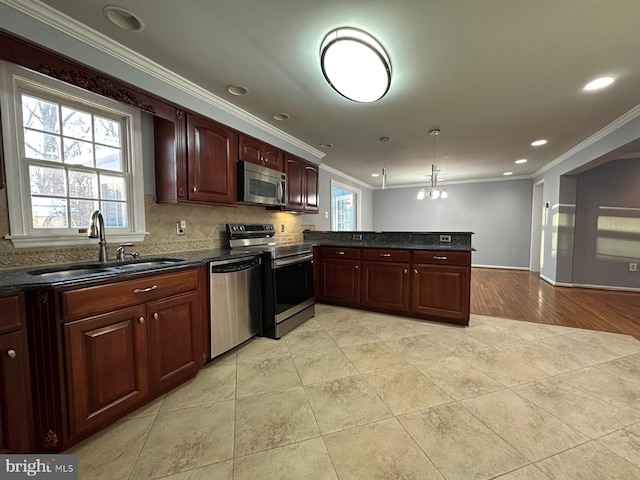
(205, 230)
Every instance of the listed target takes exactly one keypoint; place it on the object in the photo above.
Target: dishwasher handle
(234, 266)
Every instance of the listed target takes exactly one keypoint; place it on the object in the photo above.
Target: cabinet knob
(141, 320)
(415, 270)
(195, 189)
(11, 353)
(357, 267)
(155, 316)
(405, 270)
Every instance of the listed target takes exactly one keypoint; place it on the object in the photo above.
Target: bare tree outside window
(67, 150)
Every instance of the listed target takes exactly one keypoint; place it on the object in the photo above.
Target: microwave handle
(281, 197)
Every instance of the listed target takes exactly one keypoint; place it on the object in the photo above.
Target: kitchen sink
(102, 269)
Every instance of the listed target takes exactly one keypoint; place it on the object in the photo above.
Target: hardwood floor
(522, 295)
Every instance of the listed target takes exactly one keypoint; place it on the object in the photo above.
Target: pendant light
(433, 192)
(384, 162)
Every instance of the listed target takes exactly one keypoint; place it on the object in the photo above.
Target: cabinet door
(15, 400)
(211, 161)
(340, 281)
(385, 285)
(441, 291)
(295, 184)
(249, 149)
(311, 176)
(107, 366)
(175, 340)
(273, 157)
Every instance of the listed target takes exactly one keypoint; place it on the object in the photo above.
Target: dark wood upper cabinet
(2, 174)
(195, 160)
(302, 185)
(253, 150)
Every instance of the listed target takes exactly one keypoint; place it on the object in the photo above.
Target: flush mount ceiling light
(281, 117)
(433, 192)
(123, 18)
(538, 143)
(522, 160)
(598, 83)
(355, 64)
(326, 145)
(506, 174)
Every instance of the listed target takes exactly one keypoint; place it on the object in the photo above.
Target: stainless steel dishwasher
(235, 297)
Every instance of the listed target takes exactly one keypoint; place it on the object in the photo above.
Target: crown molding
(329, 169)
(599, 135)
(67, 25)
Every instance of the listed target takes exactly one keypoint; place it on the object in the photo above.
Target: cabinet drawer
(11, 318)
(386, 254)
(440, 257)
(339, 252)
(89, 301)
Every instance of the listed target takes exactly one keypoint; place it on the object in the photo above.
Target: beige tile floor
(352, 395)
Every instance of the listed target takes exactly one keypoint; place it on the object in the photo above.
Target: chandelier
(432, 191)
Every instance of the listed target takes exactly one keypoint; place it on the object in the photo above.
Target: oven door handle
(283, 262)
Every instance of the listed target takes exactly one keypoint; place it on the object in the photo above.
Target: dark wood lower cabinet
(441, 291)
(417, 283)
(15, 400)
(107, 358)
(385, 285)
(340, 281)
(175, 340)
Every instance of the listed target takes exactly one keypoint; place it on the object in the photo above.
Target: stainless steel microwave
(260, 185)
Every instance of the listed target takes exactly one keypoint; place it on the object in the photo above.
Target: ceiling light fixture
(355, 64)
(433, 192)
(281, 117)
(123, 18)
(237, 90)
(598, 83)
(522, 160)
(506, 174)
(326, 145)
(538, 143)
(375, 175)
(384, 162)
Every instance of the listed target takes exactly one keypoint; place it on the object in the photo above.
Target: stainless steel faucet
(121, 252)
(96, 230)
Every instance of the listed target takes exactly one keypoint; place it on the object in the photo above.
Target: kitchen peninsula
(425, 275)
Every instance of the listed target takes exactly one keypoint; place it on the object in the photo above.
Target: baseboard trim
(586, 285)
(499, 267)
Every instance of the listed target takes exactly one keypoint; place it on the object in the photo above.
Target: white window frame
(14, 80)
(357, 191)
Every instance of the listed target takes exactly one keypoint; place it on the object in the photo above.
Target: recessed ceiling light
(598, 83)
(326, 145)
(238, 90)
(537, 143)
(281, 117)
(522, 160)
(375, 174)
(123, 18)
(507, 173)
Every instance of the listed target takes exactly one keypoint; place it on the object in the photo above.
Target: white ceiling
(494, 75)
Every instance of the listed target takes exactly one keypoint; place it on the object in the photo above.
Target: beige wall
(205, 230)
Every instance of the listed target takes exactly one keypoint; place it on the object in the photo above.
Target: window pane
(49, 212)
(76, 124)
(78, 153)
(112, 188)
(47, 181)
(107, 131)
(108, 158)
(41, 146)
(115, 214)
(40, 115)
(81, 211)
(83, 184)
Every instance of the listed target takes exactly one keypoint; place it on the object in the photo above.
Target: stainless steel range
(287, 280)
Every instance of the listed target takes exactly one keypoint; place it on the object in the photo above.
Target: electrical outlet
(179, 229)
(633, 267)
(357, 236)
(282, 228)
(445, 238)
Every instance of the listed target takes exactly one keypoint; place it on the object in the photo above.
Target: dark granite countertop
(20, 279)
(405, 246)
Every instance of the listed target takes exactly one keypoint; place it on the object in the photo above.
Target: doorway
(536, 259)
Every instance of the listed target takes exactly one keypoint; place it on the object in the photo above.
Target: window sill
(36, 241)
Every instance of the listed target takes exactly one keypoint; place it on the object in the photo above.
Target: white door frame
(357, 191)
(536, 226)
